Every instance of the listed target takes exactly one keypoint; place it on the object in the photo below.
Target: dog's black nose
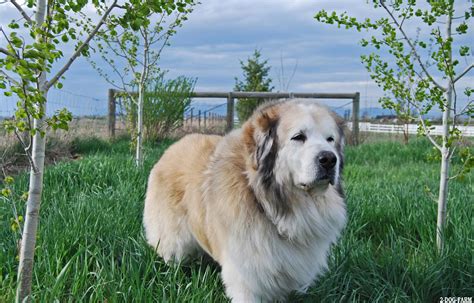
(327, 159)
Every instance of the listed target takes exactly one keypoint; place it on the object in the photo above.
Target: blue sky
(220, 33)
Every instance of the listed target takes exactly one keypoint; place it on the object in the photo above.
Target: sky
(219, 34)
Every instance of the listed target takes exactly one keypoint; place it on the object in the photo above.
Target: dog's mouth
(321, 182)
(318, 183)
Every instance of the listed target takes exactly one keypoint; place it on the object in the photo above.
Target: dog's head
(296, 144)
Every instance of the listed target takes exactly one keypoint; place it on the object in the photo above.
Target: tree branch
(77, 53)
(466, 108)
(427, 133)
(22, 12)
(6, 52)
(425, 129)
(418, 58)
(26, 148)
(463, 73)
(9, 78)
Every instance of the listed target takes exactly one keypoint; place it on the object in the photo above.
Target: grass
(91, 248)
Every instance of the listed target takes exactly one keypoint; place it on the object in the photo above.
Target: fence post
(205, 118)
(199, 120)
(230, 113)
(111, 116)
(355, 118)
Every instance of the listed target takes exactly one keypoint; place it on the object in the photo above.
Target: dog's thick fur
(254, 200)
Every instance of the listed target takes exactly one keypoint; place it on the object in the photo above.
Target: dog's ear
(260, 136)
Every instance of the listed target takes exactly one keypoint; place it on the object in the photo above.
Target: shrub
(165, 102)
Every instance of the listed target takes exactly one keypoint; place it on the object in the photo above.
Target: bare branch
(292, 75)
(465, 108)
(9, 78)
(418, 58)
(116, 71)
(77, 53)
(463, 73)
(22, 12)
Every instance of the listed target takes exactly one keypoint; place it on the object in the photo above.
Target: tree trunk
(445, 149)
(406, 135)
(139, 154)
(141, 96)
(444, 173)
(28, 239)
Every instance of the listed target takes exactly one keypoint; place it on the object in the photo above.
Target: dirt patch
(13, 159)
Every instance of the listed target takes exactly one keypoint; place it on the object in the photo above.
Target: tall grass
(91, 246)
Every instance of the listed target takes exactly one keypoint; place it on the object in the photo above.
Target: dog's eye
(330, 139)
(299, 137)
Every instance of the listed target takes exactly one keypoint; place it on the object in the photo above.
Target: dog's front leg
(236, 286)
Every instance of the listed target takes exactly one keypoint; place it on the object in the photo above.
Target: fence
(89, 115)
(231, 96)
(206, 119)
(466, 130)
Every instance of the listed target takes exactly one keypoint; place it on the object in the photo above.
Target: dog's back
(165, 217)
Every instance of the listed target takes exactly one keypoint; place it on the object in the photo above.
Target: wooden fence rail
(231, 96)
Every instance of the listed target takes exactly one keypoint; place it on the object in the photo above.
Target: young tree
(428, 63)
(32, 51)
(256, 79)
(135, 50)
(283, 79)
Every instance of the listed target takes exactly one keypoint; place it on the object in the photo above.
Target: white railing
(467, 131)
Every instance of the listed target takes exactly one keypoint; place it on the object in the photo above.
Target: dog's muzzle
(326, 162)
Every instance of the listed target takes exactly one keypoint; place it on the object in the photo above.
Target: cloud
(220, 33)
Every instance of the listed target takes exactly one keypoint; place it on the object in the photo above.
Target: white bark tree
(33, 47)
(137, 52)
(428, 64)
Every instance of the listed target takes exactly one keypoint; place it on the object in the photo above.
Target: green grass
(91, 247)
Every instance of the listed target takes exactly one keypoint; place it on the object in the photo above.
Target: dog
(265, 201)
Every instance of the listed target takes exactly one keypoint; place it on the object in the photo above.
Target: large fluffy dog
(265, 201)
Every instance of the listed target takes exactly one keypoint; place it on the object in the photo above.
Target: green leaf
(464, 51)
(13, 25)
(462, 28)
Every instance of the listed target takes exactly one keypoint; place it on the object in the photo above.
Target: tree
(284, 80)
(255, 80)
(32, 51)
(429, 65)
(136, 49)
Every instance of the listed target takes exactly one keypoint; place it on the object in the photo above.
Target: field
(91, 248)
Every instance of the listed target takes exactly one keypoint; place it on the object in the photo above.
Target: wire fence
(90, 114)
(205, 117)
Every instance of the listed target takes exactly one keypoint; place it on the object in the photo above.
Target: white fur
(263, 264)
